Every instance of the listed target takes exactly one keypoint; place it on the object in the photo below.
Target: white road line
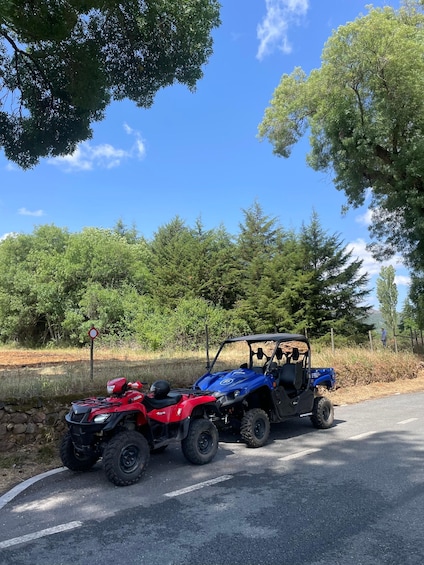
(408, 421)
(198, 486)
(299, 454)
(19, 488)
(40, 534)
(361, 436)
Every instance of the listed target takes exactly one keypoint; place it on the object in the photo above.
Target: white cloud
(370, 265)
(26, 212)
(365, 219)
(272, 31)
(86, 156)
(402, 280)
(372, 268)
(138, 148)
(6, 235)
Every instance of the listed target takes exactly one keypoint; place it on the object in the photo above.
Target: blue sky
(196, 155)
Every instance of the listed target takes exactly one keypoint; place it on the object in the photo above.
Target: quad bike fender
(197, 406)
(139, 416)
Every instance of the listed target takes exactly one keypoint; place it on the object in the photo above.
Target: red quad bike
(126, 426)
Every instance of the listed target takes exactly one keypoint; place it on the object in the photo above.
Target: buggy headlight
(100, 418)
(236, 393)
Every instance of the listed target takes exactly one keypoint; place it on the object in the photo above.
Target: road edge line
(11, 494)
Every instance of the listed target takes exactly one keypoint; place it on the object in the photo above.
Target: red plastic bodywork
(132, 401)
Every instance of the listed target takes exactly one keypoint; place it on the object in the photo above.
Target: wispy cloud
(6, 235)
(365, 219)
(138, 149)
(371, 266)
(402, 280)
(26, 212)
(87, 157)
(272, 32)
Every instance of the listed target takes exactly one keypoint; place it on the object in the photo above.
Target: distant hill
(376, 319)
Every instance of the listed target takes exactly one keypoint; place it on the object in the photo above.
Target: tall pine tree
(337, 289)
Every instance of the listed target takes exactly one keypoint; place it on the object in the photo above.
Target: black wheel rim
(130, 458)
(205, 442)
(259, 428)
(326, 412)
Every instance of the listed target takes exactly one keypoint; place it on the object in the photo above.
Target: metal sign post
(93, 333)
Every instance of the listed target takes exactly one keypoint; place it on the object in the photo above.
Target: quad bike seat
(154, 403)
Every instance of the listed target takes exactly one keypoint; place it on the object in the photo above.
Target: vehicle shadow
(292, 428)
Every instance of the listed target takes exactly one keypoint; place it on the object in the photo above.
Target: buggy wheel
(322, 413)
(125, 458)
(72, 458)
(255, 428)
(201, 444)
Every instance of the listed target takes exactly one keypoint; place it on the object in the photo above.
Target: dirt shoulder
(32, 460)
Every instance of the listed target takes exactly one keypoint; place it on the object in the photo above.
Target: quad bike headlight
(100, 418)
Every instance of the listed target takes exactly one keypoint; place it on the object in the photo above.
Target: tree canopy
(364, 110)
(54, 285)
(387, 295)
(62, 62)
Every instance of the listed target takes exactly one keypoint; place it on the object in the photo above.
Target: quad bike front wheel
(322, 413)
(125, 458)
(74, 459)
(201, 444)
(255, 427)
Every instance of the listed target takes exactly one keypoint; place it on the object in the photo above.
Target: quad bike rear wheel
(322, 413)
(201, 444)
(125, 458)
(74, 459)
(255, 428)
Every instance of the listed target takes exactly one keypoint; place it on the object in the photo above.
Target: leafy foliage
(387, 295)
(365, 112)
(62, 62)
(54, 285)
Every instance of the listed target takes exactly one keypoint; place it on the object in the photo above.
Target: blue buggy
(266, 378)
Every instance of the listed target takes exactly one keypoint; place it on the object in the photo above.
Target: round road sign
(93, 333)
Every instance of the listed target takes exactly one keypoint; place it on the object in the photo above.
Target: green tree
(260, 245)
(337, 289)
(415, 301)
(192, 263)
(172, 264)
(387, 295)
(54, 285)
(364, 111)
(32, 296)
(62, 62)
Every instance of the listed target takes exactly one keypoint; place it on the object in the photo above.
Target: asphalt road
(353, 494)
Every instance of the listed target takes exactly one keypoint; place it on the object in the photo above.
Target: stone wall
(34, 421)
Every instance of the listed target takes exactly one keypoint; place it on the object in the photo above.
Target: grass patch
(27, 374)
(360, 366)
(55, 379)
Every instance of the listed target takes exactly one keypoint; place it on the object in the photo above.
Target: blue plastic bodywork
(243, 381)
(323, 377)
(235, 384)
